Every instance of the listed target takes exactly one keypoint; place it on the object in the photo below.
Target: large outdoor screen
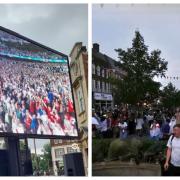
(35, 89)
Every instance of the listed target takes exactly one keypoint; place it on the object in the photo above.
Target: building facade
(103, 67)
(79, 77)
(58, 149)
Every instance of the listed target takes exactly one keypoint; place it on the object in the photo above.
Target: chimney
(83, 49)
(96, 47)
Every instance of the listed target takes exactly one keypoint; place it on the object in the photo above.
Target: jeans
(123, 134)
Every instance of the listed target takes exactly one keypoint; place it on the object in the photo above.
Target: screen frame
(39, 136)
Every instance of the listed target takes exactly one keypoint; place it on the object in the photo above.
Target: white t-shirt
(139, 123)
(104, 125)
(149, 117)
(155, 132)
(175, 150)
(123, 125)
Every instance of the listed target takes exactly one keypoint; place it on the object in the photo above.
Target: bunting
(169, 77)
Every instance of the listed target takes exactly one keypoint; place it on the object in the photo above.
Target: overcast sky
(114, 27)
(58, 26)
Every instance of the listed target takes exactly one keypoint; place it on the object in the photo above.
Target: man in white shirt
(173, 153)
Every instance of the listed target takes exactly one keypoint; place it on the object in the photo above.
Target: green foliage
(147, 143)
(140, 149)
(141, 67)
(100, 149)
(117, 148)
(43, 162)
(170, 96)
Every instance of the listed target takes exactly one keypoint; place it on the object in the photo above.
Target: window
(93, 69)
(75, 69)
(103, 86)
(80, 99)
(102, 72)
(57, 141)
(59, 153)
(96, 84)
(107, 73)
(98, 70)
(71, 150)
(107, 88)
(99, 85)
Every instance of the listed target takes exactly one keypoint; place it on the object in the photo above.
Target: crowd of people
(13, 46)
(123, 122)
(35, 98)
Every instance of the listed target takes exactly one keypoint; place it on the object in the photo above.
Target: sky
(114, 26)
(57, 26)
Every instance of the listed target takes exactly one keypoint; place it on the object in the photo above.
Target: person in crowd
(33, 92)
(123, 129)
(166, 129)
(139, 124)
(172, 124)
(172, 163)
(132, 124)
(2, 126)
(155, 132)
(114, 126)
(149, 118)
(177, 115)
(104, 126)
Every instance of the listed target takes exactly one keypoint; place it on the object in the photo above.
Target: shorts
(173, 170)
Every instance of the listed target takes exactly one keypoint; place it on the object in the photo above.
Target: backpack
(172, 138)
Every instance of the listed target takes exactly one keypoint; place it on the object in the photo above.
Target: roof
(107, 59)
(75, 45)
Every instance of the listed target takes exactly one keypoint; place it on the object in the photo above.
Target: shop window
(59, 153)
(80, 100)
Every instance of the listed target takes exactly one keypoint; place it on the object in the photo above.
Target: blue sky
(114, 27)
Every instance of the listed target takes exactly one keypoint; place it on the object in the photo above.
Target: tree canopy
(170, 96)
(141, 67)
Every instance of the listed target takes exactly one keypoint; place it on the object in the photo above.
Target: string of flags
(169, 77)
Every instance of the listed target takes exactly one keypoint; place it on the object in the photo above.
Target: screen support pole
(37, 161)
(14, 156)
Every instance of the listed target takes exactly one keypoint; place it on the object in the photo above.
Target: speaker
(4, 170)
(73, 164)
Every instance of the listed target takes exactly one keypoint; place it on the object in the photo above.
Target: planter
(119, 168)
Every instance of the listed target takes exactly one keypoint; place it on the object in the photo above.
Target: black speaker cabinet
(73, 164)
(4, 170)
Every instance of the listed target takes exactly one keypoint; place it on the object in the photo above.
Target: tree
(46, 157)
(170, 97)
(43, 162)
(141, 67)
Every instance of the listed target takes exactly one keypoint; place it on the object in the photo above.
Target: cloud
(58, 26)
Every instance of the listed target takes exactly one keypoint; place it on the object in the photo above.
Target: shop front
(102, 101)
